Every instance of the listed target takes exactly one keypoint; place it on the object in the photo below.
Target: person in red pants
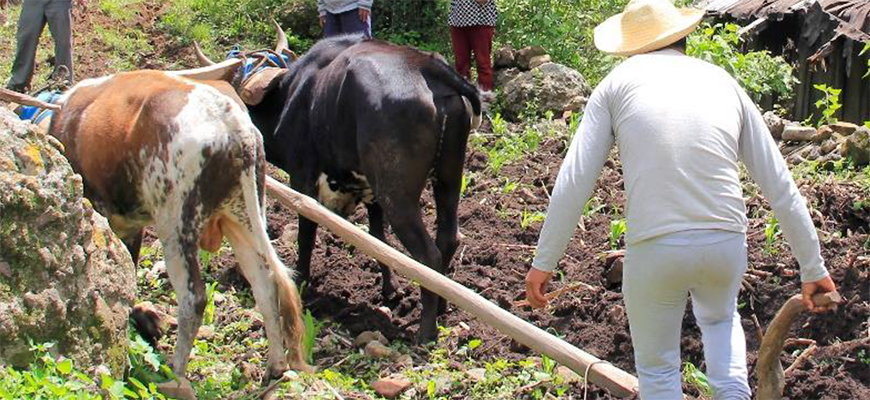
(472, 26)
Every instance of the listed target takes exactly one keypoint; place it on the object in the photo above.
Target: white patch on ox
(83, 84)
(475, 118)
(337, 201)
(367, 195)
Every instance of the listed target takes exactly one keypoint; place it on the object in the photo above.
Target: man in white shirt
(682, 125)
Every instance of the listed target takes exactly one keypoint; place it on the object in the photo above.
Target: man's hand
(322, 20)
(364, 14)
(2, 4)
(808, 289)
(536, 287)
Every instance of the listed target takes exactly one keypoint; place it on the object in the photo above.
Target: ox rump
(158, 148)
(356, 121)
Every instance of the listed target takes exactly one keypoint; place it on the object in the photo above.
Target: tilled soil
(496, 251)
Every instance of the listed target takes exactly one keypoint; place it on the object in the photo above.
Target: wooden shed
(823, 39)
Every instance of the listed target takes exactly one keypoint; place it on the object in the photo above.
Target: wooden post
(617, 381)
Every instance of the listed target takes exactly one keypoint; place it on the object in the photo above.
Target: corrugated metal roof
(853, 15)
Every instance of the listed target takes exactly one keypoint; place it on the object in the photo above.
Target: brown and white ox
(179, 151)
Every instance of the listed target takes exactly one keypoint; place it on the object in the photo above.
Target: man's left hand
(536, 287)
(364, 14)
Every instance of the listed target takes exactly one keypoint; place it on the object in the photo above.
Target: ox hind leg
(389, 283)
(447, 181)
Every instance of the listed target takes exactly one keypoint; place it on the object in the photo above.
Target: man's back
(677, 122)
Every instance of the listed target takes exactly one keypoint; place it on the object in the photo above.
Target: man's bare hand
(808, 289)
(536, 287)
(322, 20)
(482, 2)
(364, 14)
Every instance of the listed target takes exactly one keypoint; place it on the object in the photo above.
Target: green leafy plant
(146, 364)
(695, 377)
(829, 104)
(771, 233)
(312, 330)
(509, 186)
(617, 230)
(758, 72)
(592, 207)
(46, 378)
(210, 307)
(464, 185)
(528, 218)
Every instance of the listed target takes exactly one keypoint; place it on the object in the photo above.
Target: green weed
(592, 206)
(528, 218)
(617, 230)
(312, 331)
(47, 378)
(771, 233)
(695, 377)
(828, 105)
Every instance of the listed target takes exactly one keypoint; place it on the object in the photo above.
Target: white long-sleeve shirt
(682, 125)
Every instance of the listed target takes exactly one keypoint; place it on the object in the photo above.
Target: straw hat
(645, 25)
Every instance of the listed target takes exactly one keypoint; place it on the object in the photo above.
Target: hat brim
(611, 36)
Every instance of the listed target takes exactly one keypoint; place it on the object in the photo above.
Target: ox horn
(19, 98)
(222, 71)
(282, 39)
(203, 59)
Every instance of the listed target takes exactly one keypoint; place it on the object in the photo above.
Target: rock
(857, 147)
(828, 146)
(376, 349)
(822, 134)
(387, 313)
(391, 387)
(549, 87)
(775, 124)
(503, 76)
(527, 195)
(616, 314)
(525, 55)
(66, 278)
(613, 267)
(537, 61)
(364, 338)
(477, 374)
(568, 375)
(206, 332)
(505, 57)
(404, 360)
(844, 128)
(796, 133)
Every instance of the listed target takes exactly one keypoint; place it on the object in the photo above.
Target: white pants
(658, 274)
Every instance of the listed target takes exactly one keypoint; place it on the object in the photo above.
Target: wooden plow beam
(601, 373)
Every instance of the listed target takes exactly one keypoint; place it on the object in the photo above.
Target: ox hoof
(178, 389)
(391, 291)
(424, 337)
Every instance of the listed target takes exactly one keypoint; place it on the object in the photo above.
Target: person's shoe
(487, 96)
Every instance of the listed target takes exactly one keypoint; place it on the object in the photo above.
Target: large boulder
(525, 56)
(64, 276)
(549, 87)
(857, 146)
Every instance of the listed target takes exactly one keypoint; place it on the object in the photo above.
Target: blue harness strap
(251, 62)
(35, 114)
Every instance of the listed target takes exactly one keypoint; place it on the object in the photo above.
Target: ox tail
(469, 93)
(289, 303)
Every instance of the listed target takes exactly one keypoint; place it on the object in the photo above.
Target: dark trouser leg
(461, 50)
(59, 19)
(351, 23)
(331, 25)
(481, 44)
(30, 25)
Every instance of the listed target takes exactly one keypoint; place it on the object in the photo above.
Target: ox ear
(259, 84)
(223, 71)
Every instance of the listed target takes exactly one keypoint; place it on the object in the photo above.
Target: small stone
(391, 387)
(206, 332)
(219, 297)
(616, 314)
(613, 265)
(524, 56)
(5, 269)
(774, 123)
(376, 349)
(504, 57)
(387, 312)
(527, 195)
(537, 61)
(404, 360)
(844, 128)
(822, 134)
(857, 147)
(478, 374)
(366, 337)
(828, 146)
(798, 133)
(568, 375)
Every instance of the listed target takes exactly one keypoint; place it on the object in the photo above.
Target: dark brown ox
(365, 121)
(157, 148)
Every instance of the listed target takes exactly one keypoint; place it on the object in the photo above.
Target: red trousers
(478, 39)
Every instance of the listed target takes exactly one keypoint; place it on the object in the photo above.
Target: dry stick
(617, 381)
(770, 375)
(758, 330)
(556, 293)
(800, 359)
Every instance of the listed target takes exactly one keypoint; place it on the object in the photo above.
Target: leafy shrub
(758, 72)
(47, 378)
(829, 104)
